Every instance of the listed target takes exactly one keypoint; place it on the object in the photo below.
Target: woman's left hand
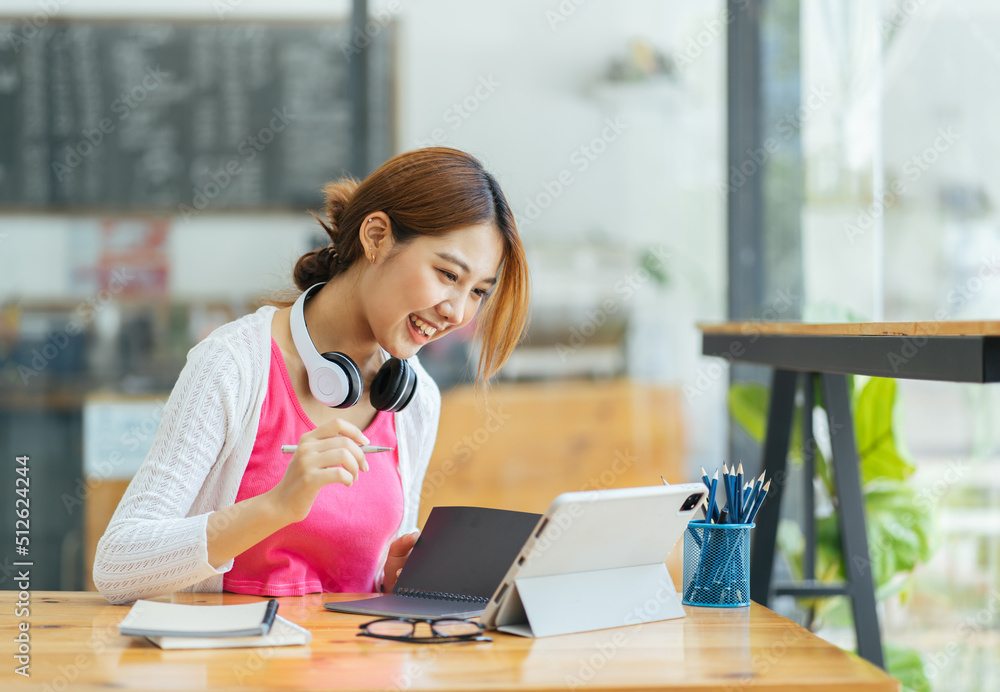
(399, 550)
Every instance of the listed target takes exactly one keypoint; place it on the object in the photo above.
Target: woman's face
(432, 287)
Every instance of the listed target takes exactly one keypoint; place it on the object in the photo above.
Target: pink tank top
(338, 546)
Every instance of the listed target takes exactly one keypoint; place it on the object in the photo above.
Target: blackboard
(183, 117)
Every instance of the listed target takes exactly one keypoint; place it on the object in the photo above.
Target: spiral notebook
(457, 563)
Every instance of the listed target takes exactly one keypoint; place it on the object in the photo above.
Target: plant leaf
(791, 544)
(905, 665)
(873, 427)
(748, 402)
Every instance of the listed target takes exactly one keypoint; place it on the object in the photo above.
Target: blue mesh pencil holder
(717, 565)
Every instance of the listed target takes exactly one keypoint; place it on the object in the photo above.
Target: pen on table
(367, 449)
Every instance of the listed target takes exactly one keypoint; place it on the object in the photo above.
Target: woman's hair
(429, 192)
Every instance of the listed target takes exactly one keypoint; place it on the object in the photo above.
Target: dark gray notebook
(457, 563)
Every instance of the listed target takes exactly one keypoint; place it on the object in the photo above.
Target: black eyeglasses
(443, 631)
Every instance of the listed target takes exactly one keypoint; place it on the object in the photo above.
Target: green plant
(899, 521)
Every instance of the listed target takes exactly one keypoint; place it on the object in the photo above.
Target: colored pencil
(711, 495)
(759, 501)
(739, 493)
(756, 491)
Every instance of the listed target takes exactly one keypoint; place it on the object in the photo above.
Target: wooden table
(825, 354)
(75, 646)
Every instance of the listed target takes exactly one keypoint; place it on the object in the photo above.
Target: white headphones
(335, 380)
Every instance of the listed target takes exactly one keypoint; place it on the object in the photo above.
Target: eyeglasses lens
(455, 628)
(391, 628)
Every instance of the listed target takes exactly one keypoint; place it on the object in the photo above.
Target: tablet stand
(582, 601)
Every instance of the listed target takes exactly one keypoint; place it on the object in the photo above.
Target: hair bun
(337, 196)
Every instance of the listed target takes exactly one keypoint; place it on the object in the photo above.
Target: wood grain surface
(75, 645)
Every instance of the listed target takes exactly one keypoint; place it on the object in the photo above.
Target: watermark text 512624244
(22, 547)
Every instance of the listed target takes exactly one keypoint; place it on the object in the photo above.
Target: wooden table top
(75, 645)
(950, 351)
(943, 328)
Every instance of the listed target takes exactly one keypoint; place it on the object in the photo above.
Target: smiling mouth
(422, 327)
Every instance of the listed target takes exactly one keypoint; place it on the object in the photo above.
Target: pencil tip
(740, 470)
(715, 476)
(768, 484)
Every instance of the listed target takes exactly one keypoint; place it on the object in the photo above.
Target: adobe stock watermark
(961, 293)
(564, 520)
(458, 112)
(99, 642)
(707, 375)
(983, 620)
(927, 498)
(255, 660)
(786, 126)
(913, 170)
(762, 663)
(33, 25)
(139, 435)
(898, 16)
(901, 526)
(625, 288)
(712, 29)
(651, 610)
(957, 298)
(82, 316)
(580, 159)
(224, 7)
(248, 149)
(122, 106)
(563, 11)
(462, 451)
(378, 21)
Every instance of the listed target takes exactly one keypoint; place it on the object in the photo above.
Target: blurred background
(667, 162)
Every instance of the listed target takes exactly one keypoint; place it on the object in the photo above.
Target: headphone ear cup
(355, 385)
(393, 386)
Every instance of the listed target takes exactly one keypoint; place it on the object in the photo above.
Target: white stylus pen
(367, 449)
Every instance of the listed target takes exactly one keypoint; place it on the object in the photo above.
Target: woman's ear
(376, 235)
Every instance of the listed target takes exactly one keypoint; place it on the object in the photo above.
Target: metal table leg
(850, 502)
(779, 427)
(851, 514)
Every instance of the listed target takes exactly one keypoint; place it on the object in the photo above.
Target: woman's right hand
(330, 453)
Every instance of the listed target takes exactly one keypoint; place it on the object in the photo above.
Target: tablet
(596, 560)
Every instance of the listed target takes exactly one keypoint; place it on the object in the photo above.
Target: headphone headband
(335, 380)
(330, 385)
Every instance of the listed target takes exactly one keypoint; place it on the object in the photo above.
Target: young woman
(417, 249)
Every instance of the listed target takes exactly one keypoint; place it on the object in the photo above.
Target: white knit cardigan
(157, 542)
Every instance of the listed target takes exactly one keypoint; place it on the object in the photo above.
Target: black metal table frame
(829, 359)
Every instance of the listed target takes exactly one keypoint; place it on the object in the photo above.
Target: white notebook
(156, 619)
(283, 633)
